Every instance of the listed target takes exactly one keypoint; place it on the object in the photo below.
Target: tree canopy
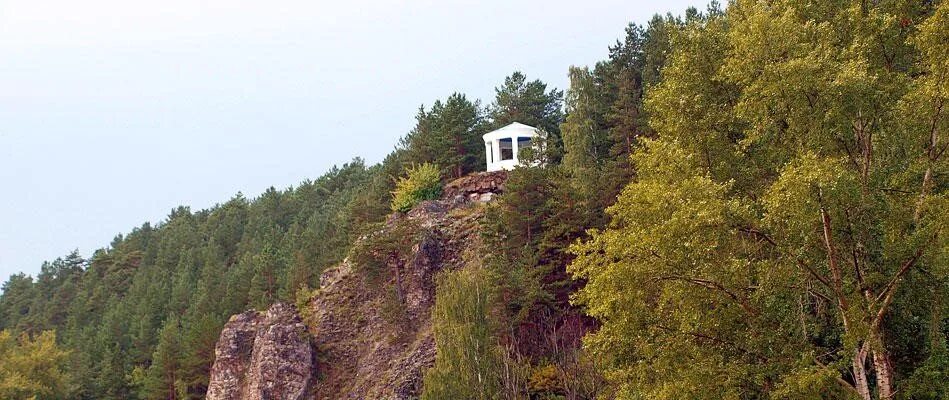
(788, 224)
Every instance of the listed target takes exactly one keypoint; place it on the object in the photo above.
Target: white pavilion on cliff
(501, 146)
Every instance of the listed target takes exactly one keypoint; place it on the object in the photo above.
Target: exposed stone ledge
(481, 187)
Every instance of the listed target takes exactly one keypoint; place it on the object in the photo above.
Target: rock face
(262, 356)
(375, 341)
(372, 331)
(481, 187)
(232, 356)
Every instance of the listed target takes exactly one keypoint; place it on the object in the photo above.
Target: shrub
(422, 182)
(545, 380)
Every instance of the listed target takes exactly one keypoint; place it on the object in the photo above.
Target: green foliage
(545, 380)
(657, 45)
(114, 311)
(530, 103)
(161, 379)
(18, 295)
(931, 380)
(585, 136)
(466, 354)
(421, 182)
(512, 228)
(665, 241)
(544, 209)
(788, 220)
(380, 257)
(33, 368)
(449, 134)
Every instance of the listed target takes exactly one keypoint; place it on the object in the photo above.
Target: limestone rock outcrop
(481, 187)
(262, 356)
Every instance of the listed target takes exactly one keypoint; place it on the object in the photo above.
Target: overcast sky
(112, 112)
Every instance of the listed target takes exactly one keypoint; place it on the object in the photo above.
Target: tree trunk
(881, 364)
(397, 262)
(860, 373)
(931, 157)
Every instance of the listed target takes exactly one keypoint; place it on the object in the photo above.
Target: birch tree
(790, 214)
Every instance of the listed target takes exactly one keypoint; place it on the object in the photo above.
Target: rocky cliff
(366, 331)
(262, 356)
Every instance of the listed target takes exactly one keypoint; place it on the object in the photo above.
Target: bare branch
(758, 233)
(709, 284)
(837, 278)
(886, 296)
(699, 335)
(815, 274)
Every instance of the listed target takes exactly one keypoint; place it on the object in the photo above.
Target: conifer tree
(586, 139)
(15, 300)
(264, 285)
(449, 135)
(625, 116)
(200, 332)
(163, 379)
(657, 46)
(460, 121)
(530, 103)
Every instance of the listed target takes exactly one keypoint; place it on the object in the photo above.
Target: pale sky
(113, 112)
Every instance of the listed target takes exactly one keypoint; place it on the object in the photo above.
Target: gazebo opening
(507, 149)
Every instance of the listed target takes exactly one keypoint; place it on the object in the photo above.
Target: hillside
(747, 202)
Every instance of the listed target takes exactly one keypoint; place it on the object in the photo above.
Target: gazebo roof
(515, 129)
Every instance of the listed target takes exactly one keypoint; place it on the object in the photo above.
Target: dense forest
(742, 202)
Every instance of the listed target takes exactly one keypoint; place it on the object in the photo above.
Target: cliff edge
(366, 332)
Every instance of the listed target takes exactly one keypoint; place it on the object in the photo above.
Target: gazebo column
(514, 150)
(488, 149)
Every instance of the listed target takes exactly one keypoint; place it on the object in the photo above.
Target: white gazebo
(501, 147)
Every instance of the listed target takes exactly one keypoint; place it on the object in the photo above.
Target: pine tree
(586, 139)
(200, 335)
(625, 115)
(513, 228)
(460, 121)
(530, 103)
(163, 378)
(15, 301)
(264, 285)
(657, 46)
(449, 135)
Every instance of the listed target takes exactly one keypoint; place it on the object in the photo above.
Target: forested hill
(742, 203)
